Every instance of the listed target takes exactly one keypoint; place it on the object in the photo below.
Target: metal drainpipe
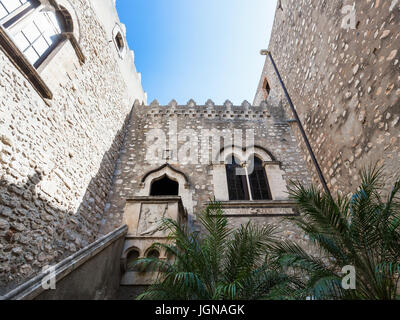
(303, 133)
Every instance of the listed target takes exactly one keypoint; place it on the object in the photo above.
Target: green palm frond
(361, 231)
(222, 264)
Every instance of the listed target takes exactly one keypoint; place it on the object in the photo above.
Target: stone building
(88, 169)
(67, 86)
(340, 62)
(187, 151)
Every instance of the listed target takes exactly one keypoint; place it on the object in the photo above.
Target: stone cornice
(258, 204)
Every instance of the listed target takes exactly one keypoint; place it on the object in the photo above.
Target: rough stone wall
(271, 132)
(57, 157)
(340, 62)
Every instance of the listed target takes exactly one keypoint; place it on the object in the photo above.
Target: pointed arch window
(249, 184)
(38, 37)
(164, 187)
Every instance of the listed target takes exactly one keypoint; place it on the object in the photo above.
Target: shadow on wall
(35, 232)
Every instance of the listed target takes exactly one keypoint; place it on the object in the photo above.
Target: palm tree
(362, 231)
(223, 264)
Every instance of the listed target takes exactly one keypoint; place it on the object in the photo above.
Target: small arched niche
(164, 187)
(262, 180)
(133, 256)
(153, 253)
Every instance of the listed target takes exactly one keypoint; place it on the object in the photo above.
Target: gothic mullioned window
(246, 184)
(164, 187)
(266, 88)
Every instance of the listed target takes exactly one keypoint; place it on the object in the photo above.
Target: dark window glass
(164, 187)
(237, 184)
(259, 183)
(155, 255)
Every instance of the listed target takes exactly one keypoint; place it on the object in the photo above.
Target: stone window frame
(126, 256)
(150, 250)
(184, 191)
(62, 8)
(273, 171)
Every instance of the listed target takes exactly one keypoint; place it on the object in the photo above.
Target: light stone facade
(57, 156)
(340, 62)
(202, 179)
(195, 141)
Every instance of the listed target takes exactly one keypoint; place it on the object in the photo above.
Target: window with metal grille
(237, 184)
(258, 182)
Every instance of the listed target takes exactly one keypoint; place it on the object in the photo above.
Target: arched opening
(259, 182)
(132, 256)
(153, 253)
(237, 183)
(164, 187)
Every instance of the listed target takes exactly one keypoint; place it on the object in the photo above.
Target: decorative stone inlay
(259, 208)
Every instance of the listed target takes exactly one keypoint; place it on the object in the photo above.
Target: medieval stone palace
(89, 169)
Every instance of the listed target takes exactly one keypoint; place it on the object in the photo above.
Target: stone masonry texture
(340, 62)
(68, 165)
(57, 157)
(271, 132)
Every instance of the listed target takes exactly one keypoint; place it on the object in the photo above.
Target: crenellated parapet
(209, 110)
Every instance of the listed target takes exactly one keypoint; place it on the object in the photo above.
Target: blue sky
(198, 49)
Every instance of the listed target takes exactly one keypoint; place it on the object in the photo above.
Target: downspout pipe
(296, 116)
